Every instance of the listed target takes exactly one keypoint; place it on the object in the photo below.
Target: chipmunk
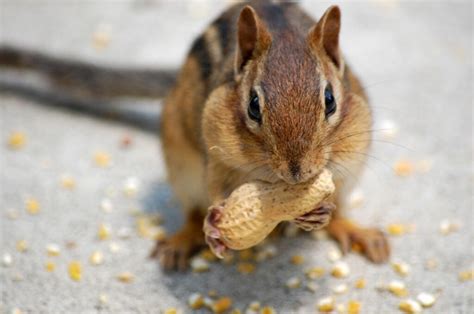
(264, 94)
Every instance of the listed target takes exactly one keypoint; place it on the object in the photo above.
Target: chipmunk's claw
(213, 235)
(317, 218)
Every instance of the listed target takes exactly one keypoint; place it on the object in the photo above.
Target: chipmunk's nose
(295, 170)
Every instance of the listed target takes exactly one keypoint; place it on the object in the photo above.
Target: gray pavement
(416, 62)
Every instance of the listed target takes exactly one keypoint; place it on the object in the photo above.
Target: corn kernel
(334, 255)
(106, 205)
(245, 268)
(268, 310)
(103, 299)
(68, 182)
(32, 206)
(96, 258)
(356, 199)
(246, 255)
(235, 311)
(131, 186)
(7, 260)
(171, 310)
(341, 308)
(353, 307)
(293, 282)
(410, 306)
(101, 38)
(388, 129)
(52, 250)
(195, 301)
(340, 289)
(221, 305)
(466, 275)
(446, 227)
(254, 306)
(103, 232)
(396, 229)
(403, 168)
(198, 265)
(208, 255)
(401, 268)
(102, 159)
(16, 140)
(315, 272)
(340, 270)
(312, 286)
(297, 260)
(426, 299)
(50, 266)
(360, 283)
(75, 270)
(22, 246)
(397, 288)
(125, 277)
(326, 304)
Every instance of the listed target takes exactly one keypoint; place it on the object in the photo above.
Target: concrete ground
(416, 62)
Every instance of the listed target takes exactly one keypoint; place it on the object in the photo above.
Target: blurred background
(81, 198)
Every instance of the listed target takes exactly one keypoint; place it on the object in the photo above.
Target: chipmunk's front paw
(317, 218)
(212, 234)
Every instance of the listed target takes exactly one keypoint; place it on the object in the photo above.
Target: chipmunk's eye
(254, 108)
(329, 101)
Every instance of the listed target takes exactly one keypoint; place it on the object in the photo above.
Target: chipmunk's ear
(253, 37)
(325, 34)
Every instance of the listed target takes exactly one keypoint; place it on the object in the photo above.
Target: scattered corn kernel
(426, 299)
(22, 246)
(208, 255)
(360, 283)
(7, 260)
(297, 259)
(102, 159)
(315, 272)
(96, 258)
(103, 299)
(398, 288)
(340, 270)
(199, 264)
(401, 268)
(131, 186)
(396, 229)
(16, 140)
(246, 268)
(68, 182)
(50, 266)
(195, 301)
(32, 206)
(171, 310)
(267, 251)
(106, 205)
(254, 306)
(403, 168)
(114, 247)
(53, 250)
(293, 282)
(268, 310)
(340, 289)
(466, 275)
(125, 277)
(75, 270)
(326, 304)
(446, 227)
(388, 129)
(103, 232)
(235, 311)
(334, 255)
(246, 255)
(312, 286)
(353, 307)
(356, 199)
(221, 305)
(410, 306)
(341, 308)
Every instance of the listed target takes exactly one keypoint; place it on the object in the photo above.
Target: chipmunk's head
(291, 102)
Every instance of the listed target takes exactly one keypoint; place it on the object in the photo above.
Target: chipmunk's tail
(89, 80)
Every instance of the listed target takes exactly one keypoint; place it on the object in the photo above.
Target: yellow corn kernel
(293, 283)
(16, 140)
(195, 301)
(466, 275)
(125, 277)
(403, 168)
(221, 305)
(315, 272)
(52, 250)
(360, 283)
(246, 268)
(396, 229)
(297, 259)
(353, 307)
(96, 258)
(326, 304)
(50, 266)
(171, 310)
(397, 288)
(103, 232)
(22, 246)
(340, 270)
(426, 299)
(102, 159)
(208, 255)
(268, 310)
(75, 270)
(401, 268)
(68, 182)
(410, 306)
(32, 206)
